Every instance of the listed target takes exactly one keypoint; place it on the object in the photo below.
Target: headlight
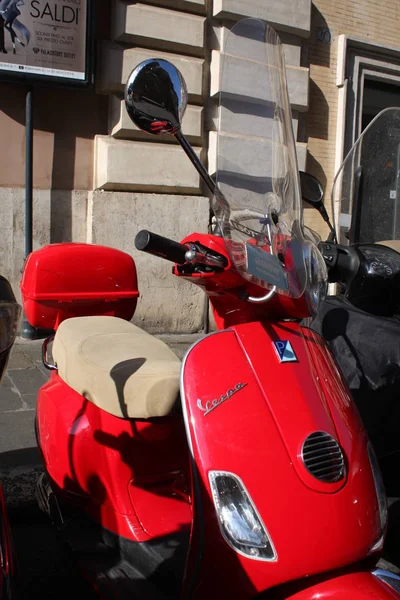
(317, 277)
(380, 488)
(240, 523)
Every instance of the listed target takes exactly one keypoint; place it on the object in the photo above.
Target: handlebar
(155, 244)
(343, 262)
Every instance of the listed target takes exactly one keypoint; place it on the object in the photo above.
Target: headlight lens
(240, 523)
(380, 488)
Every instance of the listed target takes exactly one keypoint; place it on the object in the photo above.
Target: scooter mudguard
(351, 586)
(252, 396)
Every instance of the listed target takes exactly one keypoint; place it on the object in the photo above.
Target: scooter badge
(211, 404)
(285, 351)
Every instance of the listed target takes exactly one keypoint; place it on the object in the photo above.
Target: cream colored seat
(393, 244)
(117, 366)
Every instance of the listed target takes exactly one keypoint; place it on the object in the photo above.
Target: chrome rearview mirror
(311, 189)
(312, 192)
(156, 97)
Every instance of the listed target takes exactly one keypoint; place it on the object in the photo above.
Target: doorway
(377, 95)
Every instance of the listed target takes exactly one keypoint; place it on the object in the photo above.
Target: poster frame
(63, 82)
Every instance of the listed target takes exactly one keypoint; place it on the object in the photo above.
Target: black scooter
(361, 322)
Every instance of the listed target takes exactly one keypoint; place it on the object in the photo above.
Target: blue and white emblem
(285, 351)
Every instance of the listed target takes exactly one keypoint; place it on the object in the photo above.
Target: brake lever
(342, 261)
(196, 256)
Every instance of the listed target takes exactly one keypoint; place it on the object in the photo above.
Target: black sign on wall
(47, 41)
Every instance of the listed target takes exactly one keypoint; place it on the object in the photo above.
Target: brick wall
(366, 20)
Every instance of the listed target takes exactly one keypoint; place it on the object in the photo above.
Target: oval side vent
(323, 457)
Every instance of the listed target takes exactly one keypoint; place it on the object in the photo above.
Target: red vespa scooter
(261, 481)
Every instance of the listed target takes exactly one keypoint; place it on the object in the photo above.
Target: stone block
(166, 304)
(140, 166)
(58, 216)
(250, 80)
(117, 63)
(68, 216)
(241, 121)
(193, 6)
(12, 230)
(292, 48)
(295, 123)
(298, 79)
(302, 151)
(293, 16)
(156, 27)
(120, 125)
(250, 157)
(291, 43)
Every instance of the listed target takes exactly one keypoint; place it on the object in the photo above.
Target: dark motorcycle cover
(367, 349)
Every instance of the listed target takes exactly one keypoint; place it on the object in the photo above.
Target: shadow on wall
(314, 168)
(321, 39)
(319, 54)
(318, 113)
(78, 118)
(63, 160)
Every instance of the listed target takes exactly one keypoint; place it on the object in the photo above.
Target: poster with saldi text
(44, 37)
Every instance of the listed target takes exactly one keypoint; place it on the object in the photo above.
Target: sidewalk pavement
(24, 376)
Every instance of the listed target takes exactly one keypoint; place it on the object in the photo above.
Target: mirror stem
(332, 235)
(208, 180)
(196, 161)
(325, 216)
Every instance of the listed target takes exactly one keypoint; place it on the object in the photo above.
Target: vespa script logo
(212, 404)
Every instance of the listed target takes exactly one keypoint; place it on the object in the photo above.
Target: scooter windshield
(366, 190)
(257, 199)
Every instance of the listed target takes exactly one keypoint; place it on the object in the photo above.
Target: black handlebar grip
(146, 241)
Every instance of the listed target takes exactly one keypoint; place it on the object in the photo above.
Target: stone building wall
(161, 189)
(66, 123)
(98, 179)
